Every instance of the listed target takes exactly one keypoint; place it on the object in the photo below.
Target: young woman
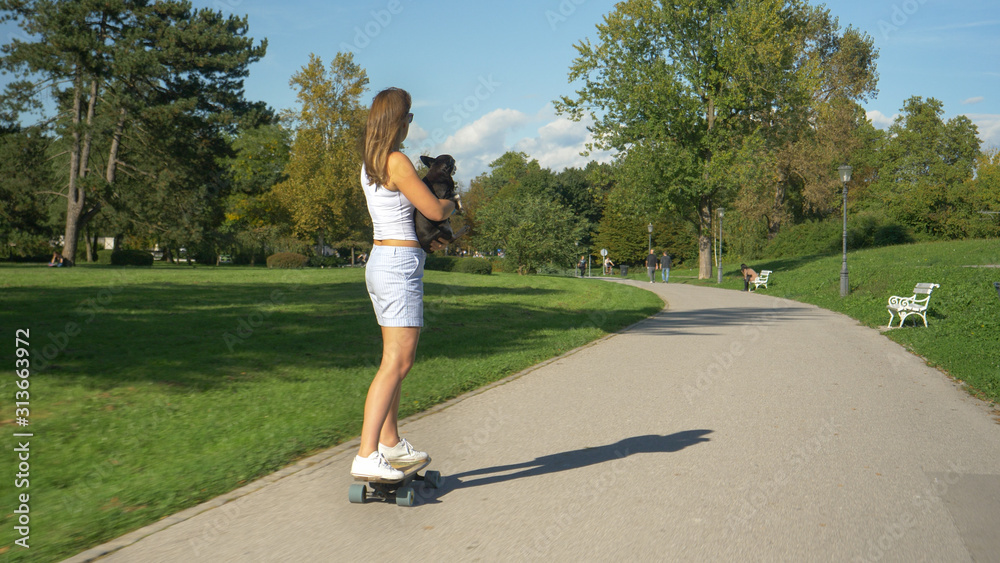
(394, 276)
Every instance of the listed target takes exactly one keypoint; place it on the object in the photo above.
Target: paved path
(729, 427)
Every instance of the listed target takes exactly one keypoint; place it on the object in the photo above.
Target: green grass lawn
(155, 389)
(963, 332)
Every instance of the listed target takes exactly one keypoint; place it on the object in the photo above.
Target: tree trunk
(705, 238)
(91, 246)
(705, 208)
(76, 216)
(76, 197)
(774, 221)
(116, 140)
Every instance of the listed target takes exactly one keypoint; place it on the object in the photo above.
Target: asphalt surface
(728, 427)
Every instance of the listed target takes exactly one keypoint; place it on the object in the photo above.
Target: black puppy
(439, 180)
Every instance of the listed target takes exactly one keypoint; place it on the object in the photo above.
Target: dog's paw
(458, 203)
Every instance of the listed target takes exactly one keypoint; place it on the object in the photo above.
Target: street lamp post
(722, 212)
(845, 177)
(650, 227)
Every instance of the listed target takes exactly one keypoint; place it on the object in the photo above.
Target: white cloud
(416, 135)
(879, 119)
(972, 101)
(989, 128)
(555, 141)
(559, 144)
(479, 143)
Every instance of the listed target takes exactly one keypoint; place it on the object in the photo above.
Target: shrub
(326, 262)
(440, 263)
(130, 258)
(864, 230)
(286, 260)
(104, 256)
(809, 238)
(500, 265)
(480, 266)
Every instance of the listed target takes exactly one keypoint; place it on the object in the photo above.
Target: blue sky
(483, 75)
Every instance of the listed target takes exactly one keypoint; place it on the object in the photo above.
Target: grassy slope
(165, 387)
(963, 333)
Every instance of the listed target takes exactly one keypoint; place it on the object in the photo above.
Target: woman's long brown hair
(384, 132)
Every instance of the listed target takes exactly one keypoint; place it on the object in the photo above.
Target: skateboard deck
(399, 490)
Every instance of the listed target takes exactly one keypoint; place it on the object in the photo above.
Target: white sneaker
(374, 467)
(402, 452)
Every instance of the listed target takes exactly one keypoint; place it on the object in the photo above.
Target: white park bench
(762, 279)
(906, 306)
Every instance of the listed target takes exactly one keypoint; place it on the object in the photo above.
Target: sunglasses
(409, 118)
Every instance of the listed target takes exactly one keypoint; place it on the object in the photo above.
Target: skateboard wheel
(358, 493)
(433, 479)
(404, 496)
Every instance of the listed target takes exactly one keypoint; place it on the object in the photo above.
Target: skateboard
(398, 489)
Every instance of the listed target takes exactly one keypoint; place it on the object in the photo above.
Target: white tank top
(392, 212)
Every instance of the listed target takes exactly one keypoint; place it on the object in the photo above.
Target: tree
(24, 217)
(623, 228)
(532, 231)
(923, 162)
(252, 221)
(322, 193)
(673, 87)
(118, 67)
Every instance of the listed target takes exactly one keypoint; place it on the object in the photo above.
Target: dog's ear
(427, 160)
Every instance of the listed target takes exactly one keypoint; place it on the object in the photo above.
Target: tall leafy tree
(120, 70)
(923, 161)
(675, 86)
(532, 231)
(322, 192)
(24, 216)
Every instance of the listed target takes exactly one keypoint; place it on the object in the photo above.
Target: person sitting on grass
(748, 276)
(57, 260)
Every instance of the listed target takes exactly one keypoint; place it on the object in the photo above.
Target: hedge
(286, 260)
(131, 258)
(480, 266)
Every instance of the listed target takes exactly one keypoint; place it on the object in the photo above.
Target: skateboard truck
(399, 490)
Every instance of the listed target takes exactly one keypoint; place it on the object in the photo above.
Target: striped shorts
(395, 279)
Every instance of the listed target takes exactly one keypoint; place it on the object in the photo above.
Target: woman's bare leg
(399, 349)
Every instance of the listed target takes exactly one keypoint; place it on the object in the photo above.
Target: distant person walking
(651, 264)
(582, 265)
(609, 266)
(665, 264)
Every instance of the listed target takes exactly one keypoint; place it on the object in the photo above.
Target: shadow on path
(671, 322)
(575, 459)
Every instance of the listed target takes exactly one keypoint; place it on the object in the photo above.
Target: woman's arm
(403, 177)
